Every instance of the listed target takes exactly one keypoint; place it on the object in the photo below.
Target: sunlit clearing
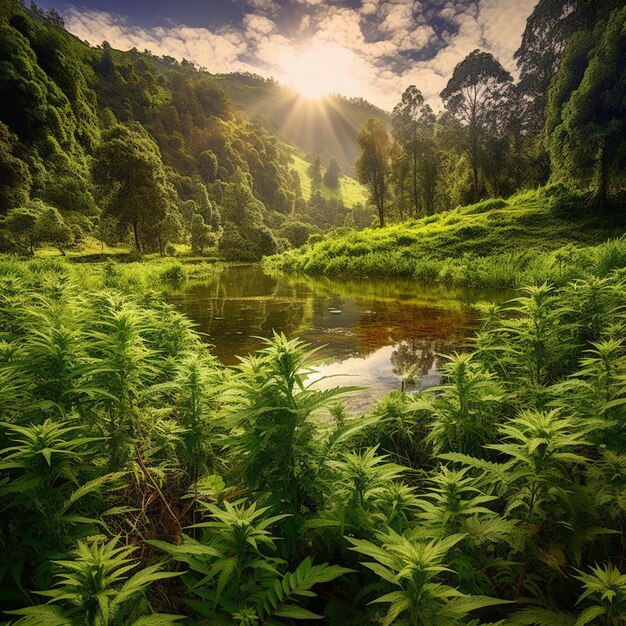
(320, 70)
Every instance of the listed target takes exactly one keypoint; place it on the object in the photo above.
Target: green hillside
(327, 127)
(531, 237)
(350, 192)
(83, 128)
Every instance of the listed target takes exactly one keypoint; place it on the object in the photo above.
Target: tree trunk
(604, 178)
(136, 234)
(380, 202)
(474, 140)
(414, 175)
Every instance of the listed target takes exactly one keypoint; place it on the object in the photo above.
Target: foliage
(584, 117)
(478, 90)
(331, 175)
(373, 164)
(51, 228)
(523, 240)
(93, 588)
(141, 481)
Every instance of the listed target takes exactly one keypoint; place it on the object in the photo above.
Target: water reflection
(374, 330)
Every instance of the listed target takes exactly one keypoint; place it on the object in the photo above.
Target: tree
(586, 108)
(297, 232)
(315, 172)
(21, 224)
(131, 176)
(168, 230)
(372, 167)
(245, 237)
(15, 178)
(479, 88)
(548, 29)
(201, 234)
(414, 128)
(106, 66)
(331, 176)
(207, 166)
(50, 227)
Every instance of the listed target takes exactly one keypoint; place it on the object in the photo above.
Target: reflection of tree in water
(423, 352)
(285, 318)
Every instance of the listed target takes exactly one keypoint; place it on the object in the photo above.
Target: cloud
(386, 45)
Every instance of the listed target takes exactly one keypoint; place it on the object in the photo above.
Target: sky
(365, 48)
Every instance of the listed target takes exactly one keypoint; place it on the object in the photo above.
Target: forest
(144, 482)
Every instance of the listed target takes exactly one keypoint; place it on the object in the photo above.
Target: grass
(164, 275)
(526, 239)
(93, 250)
(350, 191)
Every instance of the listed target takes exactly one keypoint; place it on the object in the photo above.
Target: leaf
(158, 619)
(296, 612)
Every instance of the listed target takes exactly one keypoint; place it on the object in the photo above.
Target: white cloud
(377, 39)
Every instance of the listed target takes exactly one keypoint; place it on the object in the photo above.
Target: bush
(566, 203)
(610, 256)
(174, 273)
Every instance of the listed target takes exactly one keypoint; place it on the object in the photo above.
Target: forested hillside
(124, 144)
(327, 127)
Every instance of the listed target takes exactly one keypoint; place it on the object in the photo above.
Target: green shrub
(174, 273)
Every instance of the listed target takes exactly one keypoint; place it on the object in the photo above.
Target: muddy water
(369, 331)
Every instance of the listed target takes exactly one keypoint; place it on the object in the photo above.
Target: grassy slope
(494, 242)
(350, 191)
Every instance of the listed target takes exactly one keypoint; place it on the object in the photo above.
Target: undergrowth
(142, 482)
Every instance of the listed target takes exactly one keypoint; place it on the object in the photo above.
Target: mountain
(327, 127)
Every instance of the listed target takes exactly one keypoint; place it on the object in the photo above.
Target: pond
(369, 331)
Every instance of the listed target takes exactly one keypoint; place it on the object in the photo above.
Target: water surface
(369, 331)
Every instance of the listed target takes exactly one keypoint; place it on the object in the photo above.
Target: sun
(320, 70)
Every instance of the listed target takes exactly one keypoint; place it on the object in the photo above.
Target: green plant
(605, 586)
(415, 571)
(235, 573)
(94, 588)
(271, 409)
(463, 412)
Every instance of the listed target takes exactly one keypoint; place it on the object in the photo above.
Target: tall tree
(413, 128)
(315, 172)
(548, 29)
(372, 167)
(586, 112)
(331, 176)
(479, 88)
(201, 234)
(50, 227)
(131, 177)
